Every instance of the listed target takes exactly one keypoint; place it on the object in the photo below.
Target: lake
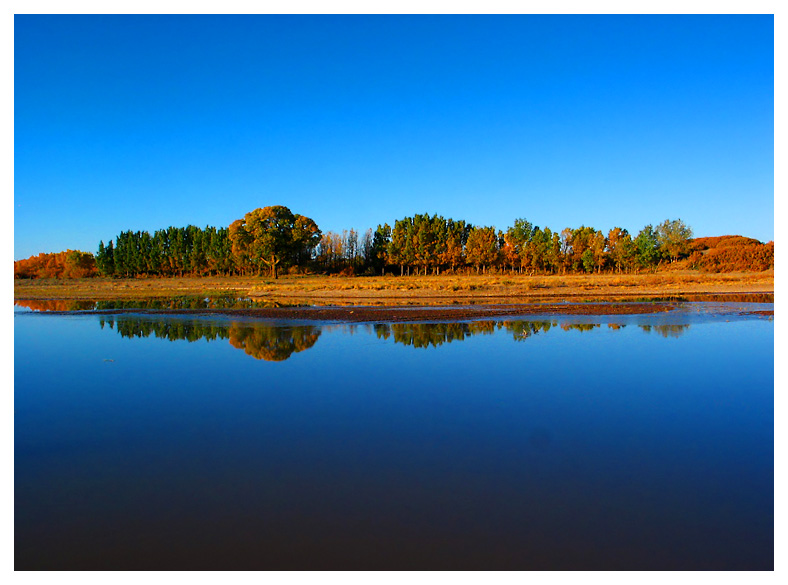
(642, 442)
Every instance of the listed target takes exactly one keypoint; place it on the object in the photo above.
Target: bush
(68, 264)
(731, 254)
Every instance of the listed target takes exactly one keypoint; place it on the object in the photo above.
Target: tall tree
(380, 242)
(647, 247)
(482, 247)
(269, 235)
(620, 247)
(674, 236)
(104, 259)
(516, 241)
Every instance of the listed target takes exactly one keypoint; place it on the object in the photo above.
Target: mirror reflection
(277, 342)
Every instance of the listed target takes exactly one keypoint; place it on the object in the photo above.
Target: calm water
(637, 442)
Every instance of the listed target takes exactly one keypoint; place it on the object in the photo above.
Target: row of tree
(272, 239)
(426, 242)
(168, 252)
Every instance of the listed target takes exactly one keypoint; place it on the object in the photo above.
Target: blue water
(637, 442)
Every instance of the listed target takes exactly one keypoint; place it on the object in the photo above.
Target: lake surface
(200, 442)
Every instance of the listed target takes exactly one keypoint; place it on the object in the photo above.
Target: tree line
(273, 240)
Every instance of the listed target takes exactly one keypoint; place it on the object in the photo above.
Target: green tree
(380, 242)
(104, 259)
(400, 248)
(674, 236)
(647, 250)
(587, 260)
(516, 243)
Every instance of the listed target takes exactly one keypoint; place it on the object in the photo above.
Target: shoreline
(391, 314)
(393, 299)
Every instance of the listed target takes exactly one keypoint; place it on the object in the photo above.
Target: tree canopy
(272, 235)
(272, 239)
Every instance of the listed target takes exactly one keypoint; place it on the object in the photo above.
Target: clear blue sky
(142, 122)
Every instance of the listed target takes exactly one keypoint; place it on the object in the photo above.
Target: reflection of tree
(172, 329)
(435, 334)
(579, 326)
(522, 330)
(55, 305)
(184, 302)
(259, 340)
(277, 343)
(432, 334)
(272, 343)
(666, 330)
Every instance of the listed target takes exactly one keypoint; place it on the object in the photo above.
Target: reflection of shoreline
(181, 303)
(268, 342)
(241, 308)
(424, 335)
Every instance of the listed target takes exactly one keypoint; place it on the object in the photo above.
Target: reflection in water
(265, 341)
(273, 343)
(56, 305)
(432, 334)
(705, 298)
(187, 302)
(573, 449)
(259, 340)
(435, 334)
(196, 302)
(172, 329)
(665, 330)
(579, 326)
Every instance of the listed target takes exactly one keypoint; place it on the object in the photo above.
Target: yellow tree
(482, 247)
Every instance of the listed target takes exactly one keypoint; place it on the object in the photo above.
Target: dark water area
(642, 442)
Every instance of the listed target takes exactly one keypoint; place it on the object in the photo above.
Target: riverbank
(409, 290)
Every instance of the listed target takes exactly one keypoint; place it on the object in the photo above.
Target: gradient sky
(142, 122)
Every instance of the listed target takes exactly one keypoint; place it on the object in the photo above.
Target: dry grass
(392, 290)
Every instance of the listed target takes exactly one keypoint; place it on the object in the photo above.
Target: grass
(394, 289)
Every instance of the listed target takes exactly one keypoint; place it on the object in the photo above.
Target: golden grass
(426, 289)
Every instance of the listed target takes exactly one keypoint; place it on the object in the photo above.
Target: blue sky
(142, 122)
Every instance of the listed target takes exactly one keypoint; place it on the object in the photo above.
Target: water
(185, 442)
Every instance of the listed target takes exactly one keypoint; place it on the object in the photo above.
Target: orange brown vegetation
(68, 264)
(730, 254)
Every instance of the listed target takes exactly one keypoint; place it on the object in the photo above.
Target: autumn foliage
(271, 239)
(730, 254)
(68, 264)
